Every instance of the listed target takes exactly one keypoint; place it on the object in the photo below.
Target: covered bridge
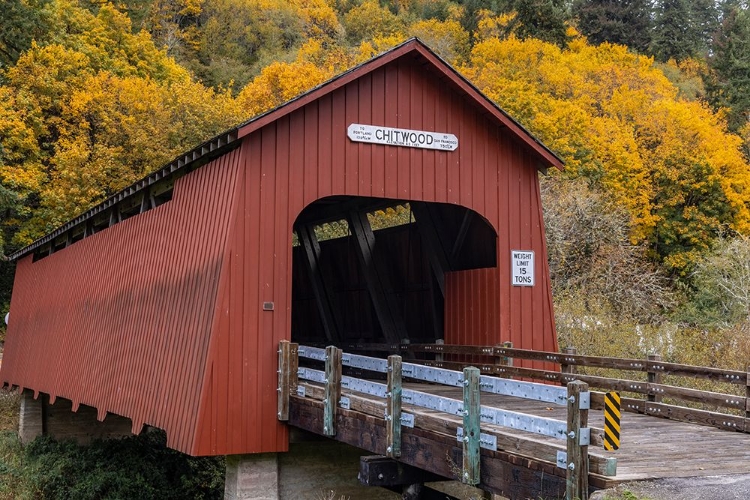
(165, 304)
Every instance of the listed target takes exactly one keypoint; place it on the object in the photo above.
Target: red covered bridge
(166, 303)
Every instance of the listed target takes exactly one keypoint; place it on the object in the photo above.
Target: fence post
(565, 367)
(577, 483)
(654, 378)
(471, 453)
(439, 356)
(393, 408)
(747, 395)
(333, 389)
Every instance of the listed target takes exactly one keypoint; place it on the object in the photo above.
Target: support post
(747, 396)
(333, 389)
(471, 452)
(565, 367)
(577, 482)
(504, 360)
(654, 378)
(439, 356)
(393, 408)
(283, 386)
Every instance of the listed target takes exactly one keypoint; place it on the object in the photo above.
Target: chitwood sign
(402, 137)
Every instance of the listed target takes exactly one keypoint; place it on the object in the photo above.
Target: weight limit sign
(611, 421)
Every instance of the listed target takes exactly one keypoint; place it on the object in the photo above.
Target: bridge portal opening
(372, 270)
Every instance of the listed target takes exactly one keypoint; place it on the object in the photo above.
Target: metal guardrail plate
(365, 362)
(311, 375)
(364, 386)
(407, 419)
(486, 441)
(312, 352)
(526, 390)
(430, 374)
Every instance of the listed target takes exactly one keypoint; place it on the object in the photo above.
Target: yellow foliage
(370, 20)
(447, 38)
(616, 119)
(321, 21)
(279, 83)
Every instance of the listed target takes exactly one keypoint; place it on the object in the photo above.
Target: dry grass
(10, 402)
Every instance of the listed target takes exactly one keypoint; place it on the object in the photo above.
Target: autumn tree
(370, 20)
(617, 121)
(84, 117)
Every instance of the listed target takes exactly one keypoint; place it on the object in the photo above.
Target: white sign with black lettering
(402, 137)
(522, 265)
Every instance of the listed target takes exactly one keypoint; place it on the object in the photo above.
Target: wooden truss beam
(324, 297)
(384, 300)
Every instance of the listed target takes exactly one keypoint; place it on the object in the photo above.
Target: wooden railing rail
(631, 364)
(652, 388)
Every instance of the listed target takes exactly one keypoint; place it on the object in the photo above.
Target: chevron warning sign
(611, 421)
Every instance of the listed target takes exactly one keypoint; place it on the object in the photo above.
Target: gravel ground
(730, 487)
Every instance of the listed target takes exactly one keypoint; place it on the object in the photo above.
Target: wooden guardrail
(474, 425)
(737, 418)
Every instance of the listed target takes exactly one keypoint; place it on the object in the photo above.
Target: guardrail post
(439, 356)
(393, 408)
(577, 483)
(333, 389)
(471, 456)
(747, 395)
(284, 371)
(565, 367)
(654, 378)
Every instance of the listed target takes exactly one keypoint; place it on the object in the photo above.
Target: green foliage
(683, 28)
(22, 22)
(729, 82)
(720, 294)
(625, 22)
(542, 19)
(135, 467)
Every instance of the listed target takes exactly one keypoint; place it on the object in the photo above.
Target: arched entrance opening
(372, 270)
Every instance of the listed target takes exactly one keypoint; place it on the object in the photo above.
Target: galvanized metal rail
(480, 423)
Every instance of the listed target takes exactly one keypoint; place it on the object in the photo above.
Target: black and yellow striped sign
(611, 421)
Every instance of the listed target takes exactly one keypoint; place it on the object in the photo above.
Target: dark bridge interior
(372, 270)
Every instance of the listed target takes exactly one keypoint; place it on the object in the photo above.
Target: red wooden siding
(122, 319)
(305, 156)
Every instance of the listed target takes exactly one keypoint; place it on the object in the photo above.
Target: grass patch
(135, 467)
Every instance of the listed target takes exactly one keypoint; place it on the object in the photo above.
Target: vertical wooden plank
(338, 142)
(284, 372)
(577, 483)
(393, 408)
(364, 187)
(333, 389)
(324, 137)
(471, 427)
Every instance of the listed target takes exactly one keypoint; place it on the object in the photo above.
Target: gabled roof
(230, 139)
